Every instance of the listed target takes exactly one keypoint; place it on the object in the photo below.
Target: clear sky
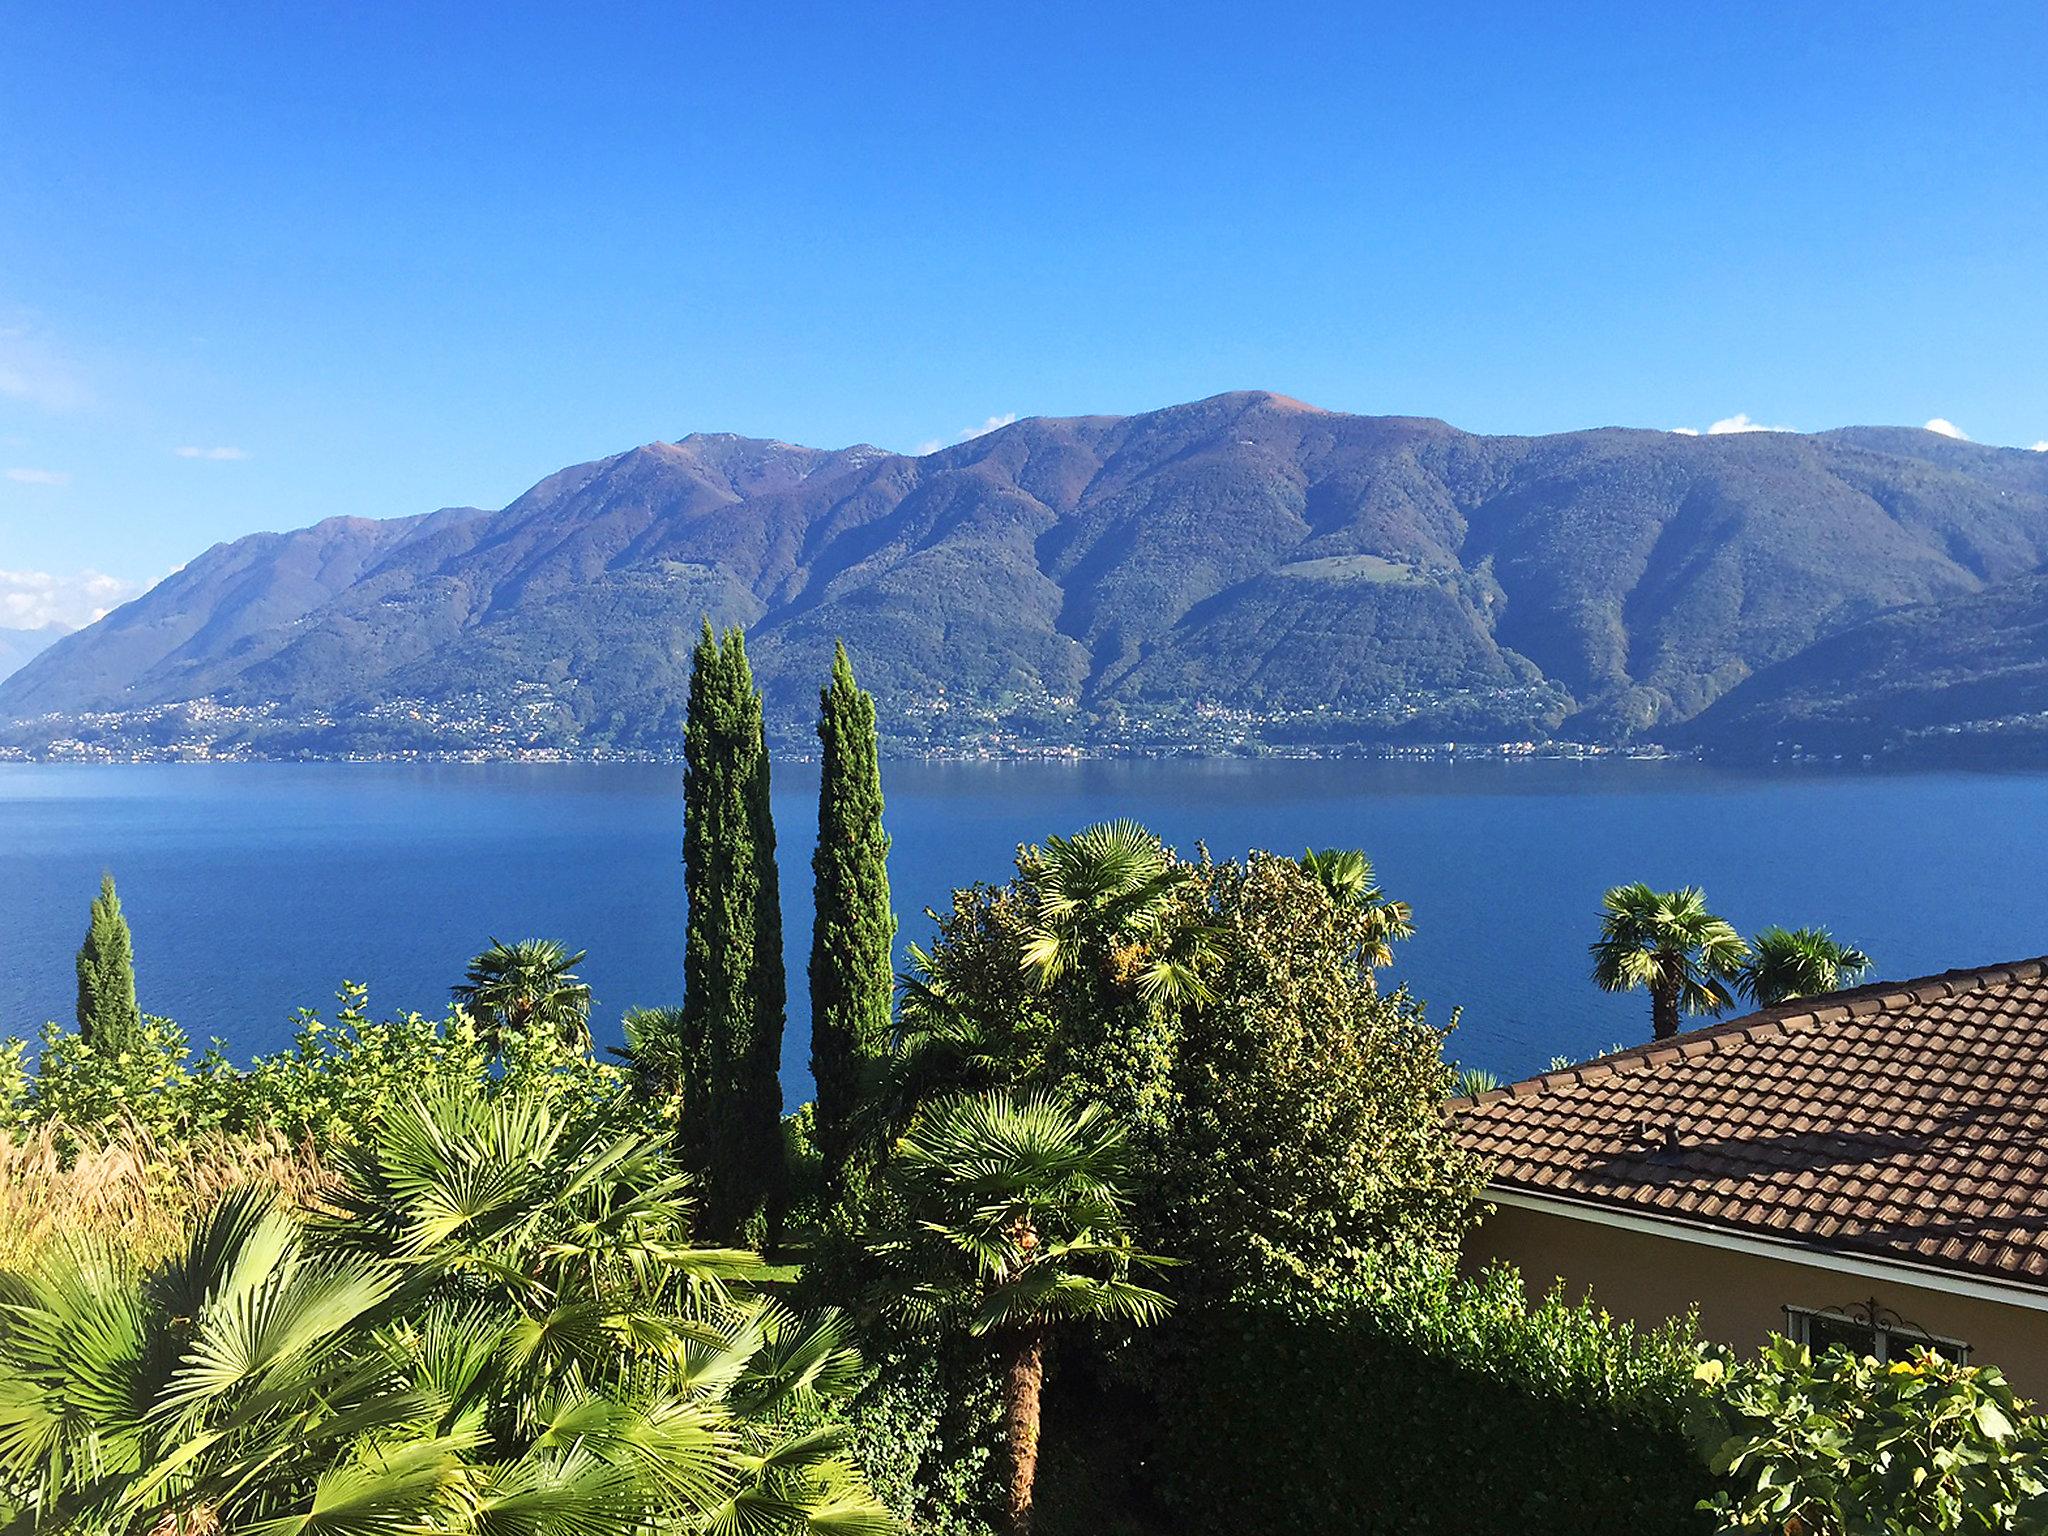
(264, 263)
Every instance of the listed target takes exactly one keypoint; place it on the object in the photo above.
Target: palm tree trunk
(1664, 1010)
(1023, 1385)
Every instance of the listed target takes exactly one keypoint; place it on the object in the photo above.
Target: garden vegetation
(1134, 1206)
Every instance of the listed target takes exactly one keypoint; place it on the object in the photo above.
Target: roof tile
(1903, 1119)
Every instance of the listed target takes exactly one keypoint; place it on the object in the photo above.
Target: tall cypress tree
(108, 1019)
(734, 991)
(852, 974)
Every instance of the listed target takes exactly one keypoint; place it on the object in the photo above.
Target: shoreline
(1444, 752)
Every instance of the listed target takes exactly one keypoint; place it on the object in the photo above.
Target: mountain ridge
(1245, 570)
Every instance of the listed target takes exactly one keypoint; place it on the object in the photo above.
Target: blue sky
(266, 263)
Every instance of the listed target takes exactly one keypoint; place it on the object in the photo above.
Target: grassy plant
(129, 1191)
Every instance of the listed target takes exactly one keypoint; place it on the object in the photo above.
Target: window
(1865, 1328)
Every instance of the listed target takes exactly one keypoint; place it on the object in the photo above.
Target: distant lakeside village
(480, 730)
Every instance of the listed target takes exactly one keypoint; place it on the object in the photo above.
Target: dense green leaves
(729, 1050)
(501, 1325)
(1413, 1402)
(1669, 944)
(108, 1018)
(1285, 1120)
(1845, 1446)
(514, 991)
(1308, 1126)
(854, 927)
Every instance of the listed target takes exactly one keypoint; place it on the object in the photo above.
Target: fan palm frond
(1788, 963)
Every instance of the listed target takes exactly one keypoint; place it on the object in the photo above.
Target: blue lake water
(255, 889)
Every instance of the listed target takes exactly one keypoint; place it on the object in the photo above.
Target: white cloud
(1947, 428)
(965, 434)
(31, 599)
(39, 476)
(221, 455)
(1686, 431)
(2041, 446)
(1740, 422)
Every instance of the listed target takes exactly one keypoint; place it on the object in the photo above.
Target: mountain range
(1244, 571)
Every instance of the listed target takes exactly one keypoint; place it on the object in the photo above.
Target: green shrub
(1842, 1446)
(143, 1084)
(1420, 1402)
(927, 1429)
(329, 1086)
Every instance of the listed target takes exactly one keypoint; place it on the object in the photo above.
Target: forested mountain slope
(1965, 680)
(1243, 567)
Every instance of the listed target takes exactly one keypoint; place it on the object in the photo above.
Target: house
(1869, 1167)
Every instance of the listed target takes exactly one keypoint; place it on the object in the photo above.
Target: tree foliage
(1309, 1131)
(1786, 963)
(734, 989)
(1845, 1446)
(1670, 944)
(854, 928)
(1283, 1122)
(528, 988)
(108, 1019)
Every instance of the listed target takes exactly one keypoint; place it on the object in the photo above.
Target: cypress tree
(729, 1057)
(108, 1019)
(852, 974)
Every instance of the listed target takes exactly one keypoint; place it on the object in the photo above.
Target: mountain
(1961, 680)
(1241, 569)
(19, 646)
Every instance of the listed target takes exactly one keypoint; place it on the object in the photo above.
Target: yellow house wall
(1741, 1297)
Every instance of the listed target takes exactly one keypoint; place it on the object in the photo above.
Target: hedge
(1427, 1403)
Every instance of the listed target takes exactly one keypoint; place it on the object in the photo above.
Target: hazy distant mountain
(1244, 567)
(19, 646)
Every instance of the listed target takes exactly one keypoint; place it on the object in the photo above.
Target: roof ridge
(1782, 1019)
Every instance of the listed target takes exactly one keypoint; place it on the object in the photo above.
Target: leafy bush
(1307, 1135)
(1842, 1445)
(329, 1087)
(1285, 1117)
(143, 1085)
(1419, 1402)
(927, 1429)
(335, 1080)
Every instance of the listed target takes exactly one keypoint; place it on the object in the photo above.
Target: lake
(254, 889)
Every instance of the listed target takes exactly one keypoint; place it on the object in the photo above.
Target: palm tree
(547, 1255)
(1785, 963)
(1106, 901)
(517, 991)
(1022, 1227)
(655, 1051)
(1669, 943)
(232, 1386)
(1347, 874)
(501, 1331)
(948, 1040)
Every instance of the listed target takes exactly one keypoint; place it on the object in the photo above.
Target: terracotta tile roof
(1903, 1120)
